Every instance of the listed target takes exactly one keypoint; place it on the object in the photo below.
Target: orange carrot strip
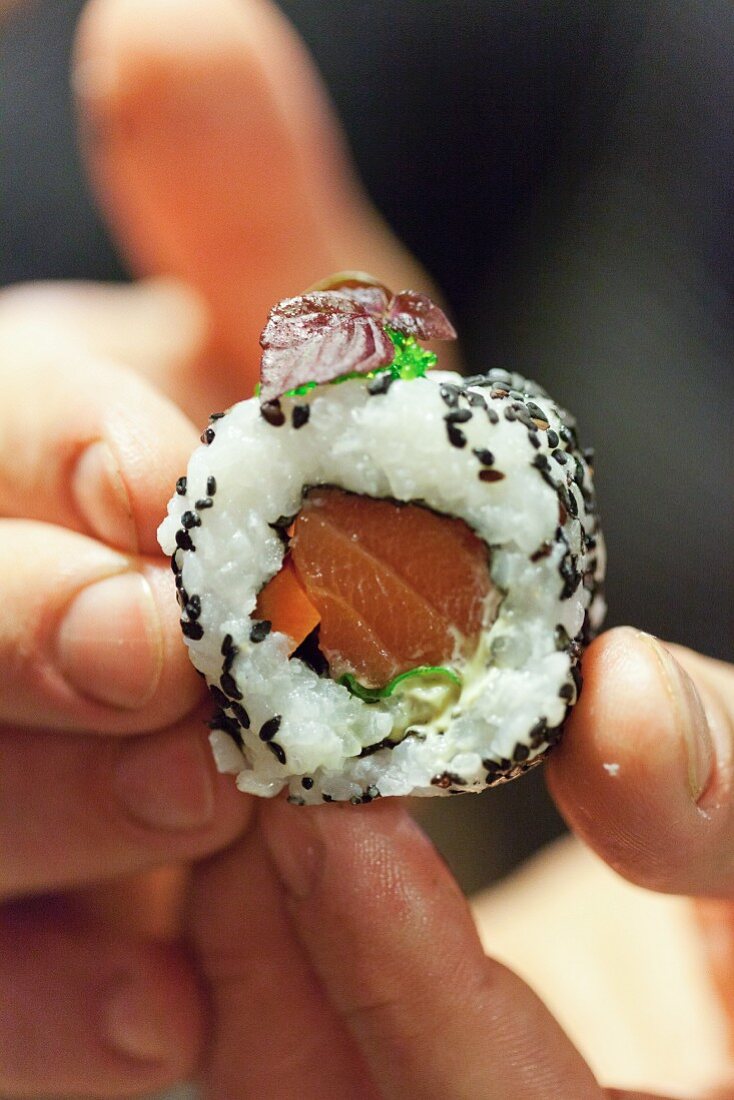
(284, 602)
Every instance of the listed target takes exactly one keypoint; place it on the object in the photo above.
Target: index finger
(644, 771)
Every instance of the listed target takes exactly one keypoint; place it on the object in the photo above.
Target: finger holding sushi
(88, 444)
(347, 960)
(644, 773)
(83, 809)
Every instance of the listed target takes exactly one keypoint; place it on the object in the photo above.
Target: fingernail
(691, 717)
(165, 782)
(295, 846)
(110, 643)
(102, 498)
(132, 1023)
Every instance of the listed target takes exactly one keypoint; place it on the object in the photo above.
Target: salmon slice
(394, 585)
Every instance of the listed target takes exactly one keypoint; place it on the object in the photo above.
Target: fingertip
(85, 1014)
(153, 1011)
(635, 759)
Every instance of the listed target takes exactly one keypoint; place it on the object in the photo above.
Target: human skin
(325, 952)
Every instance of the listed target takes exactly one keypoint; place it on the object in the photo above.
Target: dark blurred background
(564, 170)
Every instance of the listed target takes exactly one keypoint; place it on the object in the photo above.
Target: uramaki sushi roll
(387, 573)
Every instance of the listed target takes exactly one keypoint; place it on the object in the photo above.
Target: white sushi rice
(280, 723)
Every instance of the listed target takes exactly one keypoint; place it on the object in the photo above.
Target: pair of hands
(330, 952)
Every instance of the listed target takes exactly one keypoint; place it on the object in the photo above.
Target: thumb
(218, 159)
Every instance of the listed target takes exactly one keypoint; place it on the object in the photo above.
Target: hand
(217, 162)
(338, 955)
(358, 967)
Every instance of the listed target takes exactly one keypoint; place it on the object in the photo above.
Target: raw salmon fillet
(394, 585)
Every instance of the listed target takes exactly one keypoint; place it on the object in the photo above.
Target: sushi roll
(387, 573)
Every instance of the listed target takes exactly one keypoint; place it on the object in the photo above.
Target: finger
(79, 810)
(86, 443)
(157, 326)
(218, 159)
(392, 941)
(85, 1016)
(261, 986)
(644, 772)
(89, 638)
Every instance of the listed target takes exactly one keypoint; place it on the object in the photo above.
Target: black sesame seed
(561, 637)
(181, 486)
(193, 607)
(241, 714)
(476, 400)
(211, 486)
(540, 462)
(561, 457)
(229, 685)
(226, 645)
(510, 413)
(522, 752)
(175, 567)
(278, 751)
(570, 575)
(456, 436)
(572, 504)
(271, 412)
(307, 782)
(260, 630)
(491, 475)
(300, 415)
(566, 692)
(183, 541)
(207, 436)
(205, 502)
(539, 417)
(218, 696)
(493, 416)
(485, 457)
(269, 729)
(578, 476)
(189, 520)
(533, 437)
(326, 798)
(194, 631)
(552, 438)
(229, 658)
(381, 383)
(497, 374)
(458, 416)
(449, 394)
(220, 721)
(216, 416)
(538, 733)
(522, 414)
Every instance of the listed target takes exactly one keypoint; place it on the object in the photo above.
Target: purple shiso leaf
(318, 337)
(373, 299)
(416, 315)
